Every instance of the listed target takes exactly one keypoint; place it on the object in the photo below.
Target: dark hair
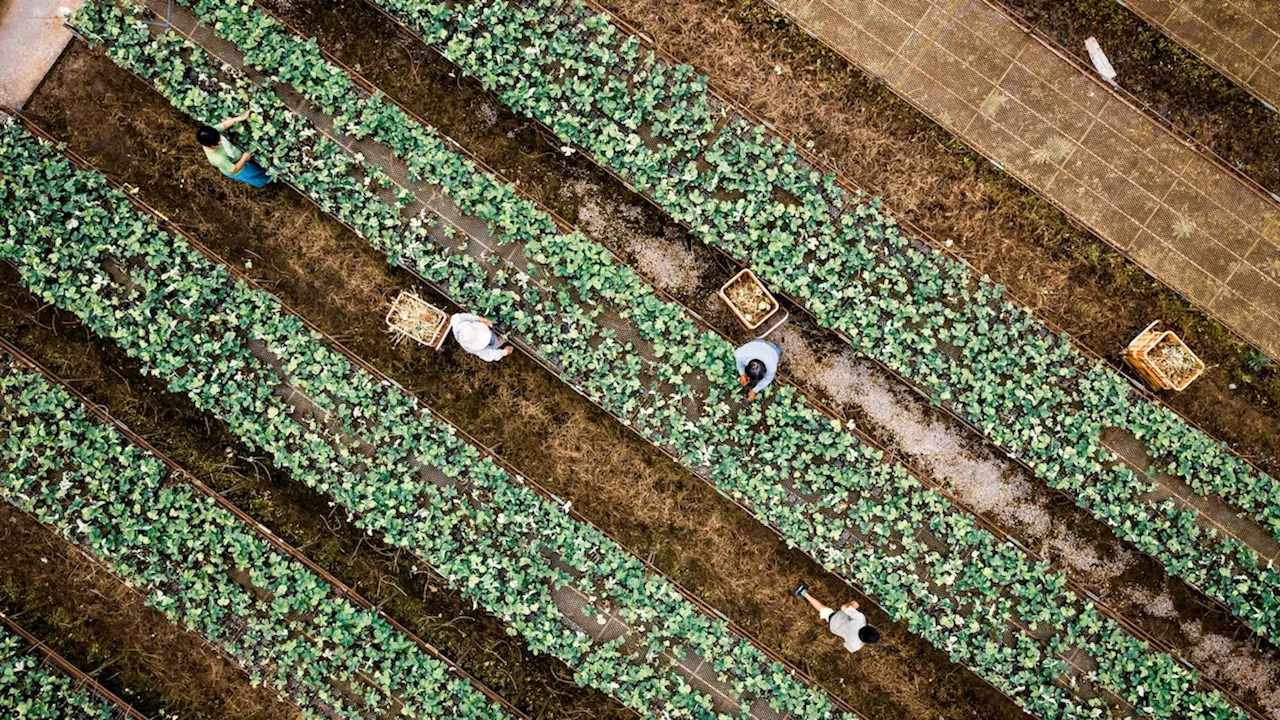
(756, 370)
(208, 136)
(868, 635)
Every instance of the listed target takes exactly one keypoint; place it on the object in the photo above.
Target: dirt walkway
(531, 418)
(1240, 38)
(967, 66)
(31, 38)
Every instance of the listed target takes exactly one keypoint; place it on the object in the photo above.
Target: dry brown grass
(85, 613)
(1054, 266)
(289, 243)
(528, 416)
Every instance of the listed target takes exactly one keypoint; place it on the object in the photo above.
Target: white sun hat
(473, 336)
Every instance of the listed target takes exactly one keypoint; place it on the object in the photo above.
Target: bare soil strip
(1066, 275)
(1157, 569)
(1193, 224)
(411, 594)
(1130, 583)
(635, 232)
(533, 420)
(45, 656)
(101, 625)
(11, 354)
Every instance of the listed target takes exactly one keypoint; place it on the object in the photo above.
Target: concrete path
(31, 38)
(963, 63)
(1241, 38)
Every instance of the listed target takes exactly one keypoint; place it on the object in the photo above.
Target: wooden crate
(1143, 357)
(412, 317)
(750, 319)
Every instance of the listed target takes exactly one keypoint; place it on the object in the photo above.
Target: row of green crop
(209, 571)
(494, 538)
(564, 334)
(31, 690)
(902, 303)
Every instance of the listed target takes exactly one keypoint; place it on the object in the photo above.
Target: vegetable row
(32, 690)
(899, 301)
(400, 471)
(211, 572)
(846, 490)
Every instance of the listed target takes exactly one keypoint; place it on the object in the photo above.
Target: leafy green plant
(401, 473)
(32, 690)
(897, 300)
(209, 571)
(690, 366)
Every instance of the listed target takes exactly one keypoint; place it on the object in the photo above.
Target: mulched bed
(527, 415)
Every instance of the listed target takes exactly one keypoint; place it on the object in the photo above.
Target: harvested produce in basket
(1175, 361)
(1162, 359)
(411, 316)
(748, 298)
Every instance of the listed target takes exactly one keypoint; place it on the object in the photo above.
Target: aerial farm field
(238, 479)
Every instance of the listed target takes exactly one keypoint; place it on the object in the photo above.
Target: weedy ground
(81, 610)
(1056, 267)
(526, 415)
(203, 686)
(618, 481)
(941, 448)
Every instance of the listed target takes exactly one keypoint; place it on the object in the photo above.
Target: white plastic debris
(1100, 61)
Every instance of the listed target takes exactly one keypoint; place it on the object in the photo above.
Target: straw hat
(473, 336)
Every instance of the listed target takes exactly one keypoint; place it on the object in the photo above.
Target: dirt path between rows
(1063, 272)
(1045, 521)
(415, 596)
(529, 417)
(88, 616)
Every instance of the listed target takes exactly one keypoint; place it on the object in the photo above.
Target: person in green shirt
(228, 158)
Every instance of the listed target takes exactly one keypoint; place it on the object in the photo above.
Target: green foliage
(30, 689)
(210, 572)
(963, 599)
(897, 300)
(396, 469)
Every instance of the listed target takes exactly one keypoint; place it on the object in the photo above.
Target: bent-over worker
(475, 334)
(757, 365)
(228, 158)
(847, 622)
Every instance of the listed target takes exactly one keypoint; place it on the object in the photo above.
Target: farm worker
(475, 334)
(846, 623)
(228, 158)
(757, 365)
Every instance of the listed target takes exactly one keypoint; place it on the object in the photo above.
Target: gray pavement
(31, 38)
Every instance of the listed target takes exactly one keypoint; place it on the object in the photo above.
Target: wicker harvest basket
(1162, 359)
(746, 289)
(411, 316)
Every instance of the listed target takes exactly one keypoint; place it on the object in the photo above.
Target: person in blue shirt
(757, 365)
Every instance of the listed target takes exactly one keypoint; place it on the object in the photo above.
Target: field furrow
(1073, 422)
(401, 471)
(213, 572)
(38, 684)
(579, 251)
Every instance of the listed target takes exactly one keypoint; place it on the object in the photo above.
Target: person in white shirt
(757, 363)
(475, 334)
(846, 623)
